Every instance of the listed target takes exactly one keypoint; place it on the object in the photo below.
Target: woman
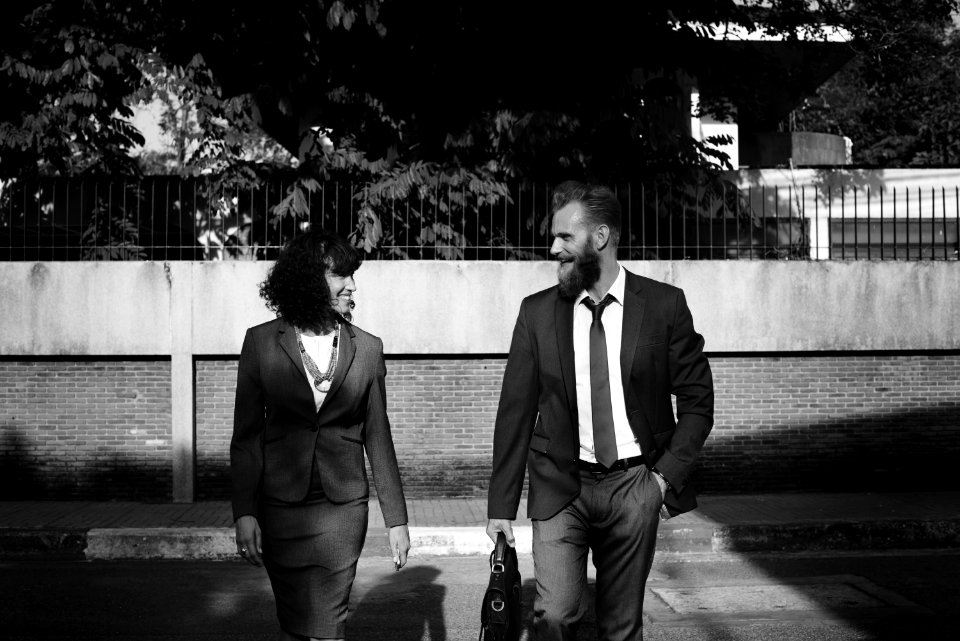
(310, 399)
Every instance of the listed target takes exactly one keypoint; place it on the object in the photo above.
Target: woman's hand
(399, 544)
(248, 539)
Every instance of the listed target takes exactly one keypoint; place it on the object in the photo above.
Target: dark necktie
(604, 438)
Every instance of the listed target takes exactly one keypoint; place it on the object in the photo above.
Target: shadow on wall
(898, 451)
(26, 475)
(421, 479)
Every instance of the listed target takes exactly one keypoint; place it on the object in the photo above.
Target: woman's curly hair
(296, 286)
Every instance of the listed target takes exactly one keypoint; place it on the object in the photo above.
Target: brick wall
(441, 414)
(216, 382)
(97, 429)
(85, 429)
(783, 423)
(834, 422)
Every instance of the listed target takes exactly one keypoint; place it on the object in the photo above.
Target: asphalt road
(904, 595)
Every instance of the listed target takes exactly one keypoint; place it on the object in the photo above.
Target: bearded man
(586, 405)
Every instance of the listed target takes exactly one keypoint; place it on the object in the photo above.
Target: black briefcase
(500, 618)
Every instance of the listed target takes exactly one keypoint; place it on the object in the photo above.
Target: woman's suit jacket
(277, 431)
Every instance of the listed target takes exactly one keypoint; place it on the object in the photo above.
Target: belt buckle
(600, 471)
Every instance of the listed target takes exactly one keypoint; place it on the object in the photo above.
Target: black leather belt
(621, 464)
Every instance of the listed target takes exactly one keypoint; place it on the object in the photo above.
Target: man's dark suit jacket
(277, 430)
(661, 355)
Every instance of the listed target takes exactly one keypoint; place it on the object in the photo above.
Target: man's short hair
(600, 204)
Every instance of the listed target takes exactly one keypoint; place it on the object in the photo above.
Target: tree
(899, 99)
(417, 97)
(64, 77)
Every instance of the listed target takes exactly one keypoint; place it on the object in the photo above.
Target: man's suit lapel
(633, 308)
(564, 323)
(347, 350)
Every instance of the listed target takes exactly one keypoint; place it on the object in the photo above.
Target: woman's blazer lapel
(303, 395)
(347, 350)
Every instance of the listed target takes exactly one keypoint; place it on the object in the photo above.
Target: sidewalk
(729, 523)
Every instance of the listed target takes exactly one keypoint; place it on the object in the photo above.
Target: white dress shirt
(612, 320)
(320, 349)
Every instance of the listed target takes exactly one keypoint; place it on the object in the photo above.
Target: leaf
(335, 15)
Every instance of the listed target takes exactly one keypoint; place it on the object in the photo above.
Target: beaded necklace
(320, 381)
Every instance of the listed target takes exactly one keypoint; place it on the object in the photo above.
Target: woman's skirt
(310, 551)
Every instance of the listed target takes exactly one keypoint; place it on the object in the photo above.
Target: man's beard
(583, 273)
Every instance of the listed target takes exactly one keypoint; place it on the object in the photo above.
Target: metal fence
(169, 218)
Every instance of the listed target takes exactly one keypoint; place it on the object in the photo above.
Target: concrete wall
(143, 308)
(116, 379)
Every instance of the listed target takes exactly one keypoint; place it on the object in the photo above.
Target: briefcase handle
(499, 558)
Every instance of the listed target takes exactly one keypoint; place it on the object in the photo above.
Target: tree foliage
(899, 98)
(422, 97)
(64, 76)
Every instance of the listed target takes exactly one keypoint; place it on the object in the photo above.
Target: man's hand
(501, 525)
(248, 539)
(399, 544)
(663, 485)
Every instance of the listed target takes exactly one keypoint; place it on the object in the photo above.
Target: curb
(696, 540)
(52, 543)
(820, 537)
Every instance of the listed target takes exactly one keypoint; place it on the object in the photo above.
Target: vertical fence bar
(843, 223)
(776, 218)
(66, 218)
(96, 220)
(166, 216)
(683, 223)
(883, 244)
(643, 220)
(125, 248)
(933, 224)
(790, 201)
(763, 219)
(856, 225)
(896, 241)
(738, 214)
(723, 213)
(943, 210)
(52, 249)
(23, 214)
(180, 227)
(36, 251)
(869, 227)
(906, 218)
(816, 219)
(323, 205)
(829, 224)
(697, 213)
(8, 223)
(919, 255)
(656, 219)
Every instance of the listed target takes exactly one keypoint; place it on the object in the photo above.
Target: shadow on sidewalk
(411, 600)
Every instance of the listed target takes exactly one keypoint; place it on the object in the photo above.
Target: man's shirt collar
(616, 290)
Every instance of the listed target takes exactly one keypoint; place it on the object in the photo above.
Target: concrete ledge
(864, 535)
(65, 543)
(673, 538)
(161, 543)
